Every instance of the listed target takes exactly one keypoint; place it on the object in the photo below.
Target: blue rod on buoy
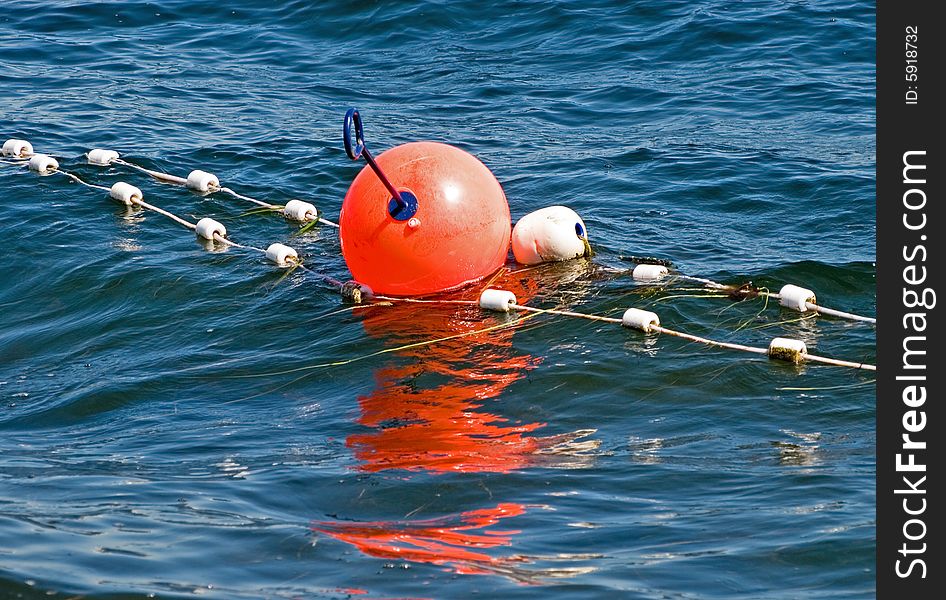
(399, 207)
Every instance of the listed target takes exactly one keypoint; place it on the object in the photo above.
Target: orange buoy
(452, 226)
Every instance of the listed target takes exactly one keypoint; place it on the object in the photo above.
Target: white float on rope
(796, 298)
(498, 300)
(14, 148)
(202, 181)
(100, 157)
(297, 210)
(550, 234)
(43, 163)
(787, 349)
(646, 272)
(207, 228)
(125, 192)
(282, 255)
(636, 318)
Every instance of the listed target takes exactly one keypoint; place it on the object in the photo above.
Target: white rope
(707, 282)
(77, 179)
(157, 209)
(228, 242)
(825, 310)
(161, 211)
(166, 177)
(72, 176)
(566, 313)
(227, 190)
(754, 350)
(838, 313)
(181, 221)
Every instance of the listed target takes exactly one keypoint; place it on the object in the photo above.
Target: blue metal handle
(353, 118)
(403, 205)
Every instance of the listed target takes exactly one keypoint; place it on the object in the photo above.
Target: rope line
(182, 181)
(227, 242)
(839, 313)
(79, 180)
(419, 301)
(227, 190)
(161, 211)
(166, 177)
(749, 292)
(274, 207)
(696, 338)
(707, 282)
(157, 209)
(656, 328)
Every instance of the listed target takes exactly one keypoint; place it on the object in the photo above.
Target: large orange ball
(459, 234)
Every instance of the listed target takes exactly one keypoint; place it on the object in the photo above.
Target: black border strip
(910, 360)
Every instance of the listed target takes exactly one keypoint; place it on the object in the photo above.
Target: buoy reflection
(438, 541)
(428, 414)
(459, 543)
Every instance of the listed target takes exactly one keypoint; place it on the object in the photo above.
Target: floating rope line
(19, 153)
(165, 177)
(208, 183)
(80, 181)
(205, 228)
(43, 164)
(786, 349)
(781, 348)
(790, 296)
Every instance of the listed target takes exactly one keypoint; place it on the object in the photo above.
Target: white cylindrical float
(649, 272)
(787, 349)
(202, 181)
(17, 149)
(101, 157)
(796, 298)
(297, 210)
(282, 255)
(550, 234)
(498, 300)
(636, 318)
(207, 228)
(41, 163)
(125, 192)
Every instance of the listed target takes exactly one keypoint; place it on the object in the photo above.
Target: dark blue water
(182, 423)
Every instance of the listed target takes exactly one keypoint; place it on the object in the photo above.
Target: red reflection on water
(441, 541)
(427, 414)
